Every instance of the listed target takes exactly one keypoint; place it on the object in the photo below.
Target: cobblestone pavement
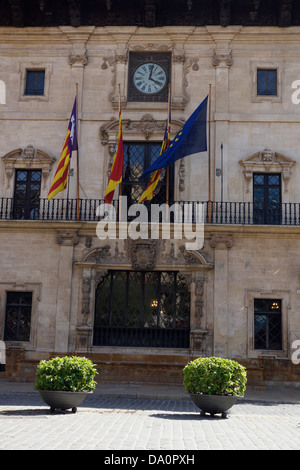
(144, 424)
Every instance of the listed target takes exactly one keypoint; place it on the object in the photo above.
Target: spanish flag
(117, 166)
(61, 176)
(149, 191)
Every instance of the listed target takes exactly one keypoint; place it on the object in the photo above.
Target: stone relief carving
(67, 239)
(78, 59)
(147, 126)
(29, 157)
(179, 60)
(222, 58)
(267, 161)
(142, 253)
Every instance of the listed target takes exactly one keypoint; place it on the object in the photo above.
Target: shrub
(215, 376)
(70, 374)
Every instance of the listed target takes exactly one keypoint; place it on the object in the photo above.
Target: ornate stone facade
(62, 261)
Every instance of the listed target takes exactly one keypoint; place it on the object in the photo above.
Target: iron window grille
(18, 316)
(35, 82)
(267, 324)
(267, 198)
(27, 194)
(267, 82)
(142, 309)
(137, 158)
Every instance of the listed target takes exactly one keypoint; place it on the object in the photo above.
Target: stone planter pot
(213, 404)
(63, 400)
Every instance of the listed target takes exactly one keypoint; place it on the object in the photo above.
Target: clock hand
(155, 81)
(151, 72)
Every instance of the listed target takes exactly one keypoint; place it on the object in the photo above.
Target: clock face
(150, 78)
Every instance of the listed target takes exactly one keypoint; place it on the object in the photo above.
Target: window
(266, 198)
(138, 157)
(27, 194)
(267, 324)
(18, 316)
(35, 81)
(142, 308)
(267, 82)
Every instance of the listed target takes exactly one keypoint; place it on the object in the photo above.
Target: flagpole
(168, 168)
(209, 159)
(120, 184)
(77, 152)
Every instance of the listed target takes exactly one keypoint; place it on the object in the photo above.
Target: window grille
(266, 82)
(27, 194)
(267, 324)
(137, 308)
(35, 81)
(137, 158)
(18, 316)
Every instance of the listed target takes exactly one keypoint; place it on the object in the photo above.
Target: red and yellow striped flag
(149, 191)
(117, 166)
(61, 176)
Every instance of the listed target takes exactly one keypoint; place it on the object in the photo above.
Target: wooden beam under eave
(285, 13)
(225, 10)
(16, 10)
(75, 12)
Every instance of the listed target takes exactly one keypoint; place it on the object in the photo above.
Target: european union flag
(190, 139)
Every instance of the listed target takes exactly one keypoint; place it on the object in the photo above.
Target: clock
(150, 78)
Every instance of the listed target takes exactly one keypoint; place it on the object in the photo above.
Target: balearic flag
(61, 176)
(189, 140)
(149, 191)
(117, 166)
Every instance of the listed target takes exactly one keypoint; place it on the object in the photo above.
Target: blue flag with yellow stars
(190, 139)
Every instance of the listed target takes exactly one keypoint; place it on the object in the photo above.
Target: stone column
(221, 244)
(67, 241)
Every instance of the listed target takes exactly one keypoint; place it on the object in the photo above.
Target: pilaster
(221, 245)
(67, 241)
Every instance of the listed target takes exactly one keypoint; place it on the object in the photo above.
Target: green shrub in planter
(215, 376)
(69, 373)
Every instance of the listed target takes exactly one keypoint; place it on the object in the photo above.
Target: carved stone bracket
(221, 242)
(27, 158)
(78, 59)
(67, 239)
(223, 59)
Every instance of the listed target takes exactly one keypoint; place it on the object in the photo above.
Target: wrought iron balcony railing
(227, 213)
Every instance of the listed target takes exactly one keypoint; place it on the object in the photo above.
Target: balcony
(223, 213)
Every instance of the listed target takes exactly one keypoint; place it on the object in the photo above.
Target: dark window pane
(27, 194)
(18, 316)
(267, 198)
(137, 158)
(35, 82)
(266, 82)
(267, 324)
(142, 309)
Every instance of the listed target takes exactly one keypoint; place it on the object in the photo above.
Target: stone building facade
(65, 291)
